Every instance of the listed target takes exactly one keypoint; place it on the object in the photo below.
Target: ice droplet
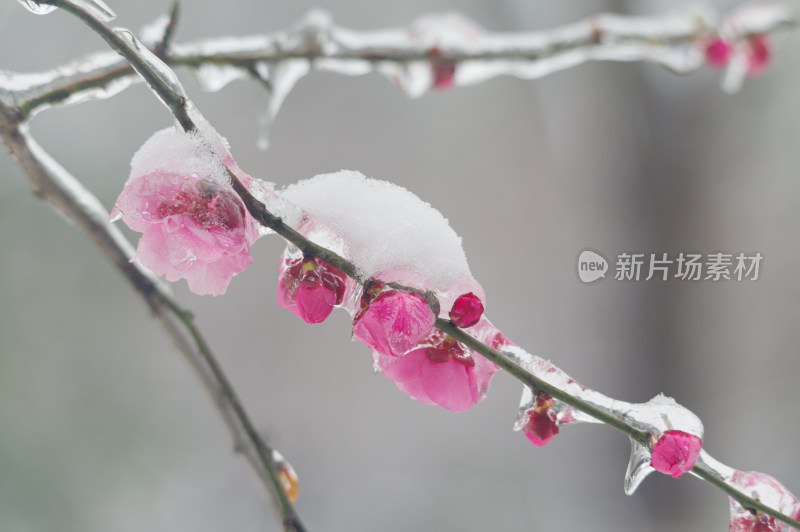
(97, 8)
(164, 73)
(36, 8)
(638, 467)
(279, 79)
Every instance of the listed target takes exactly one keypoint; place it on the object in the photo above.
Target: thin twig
(53, 184)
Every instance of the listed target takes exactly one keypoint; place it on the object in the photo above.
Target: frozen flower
(718, 52)
(466, 311)
(444, 72)
(309, 287)
(675, 452)
(541, 423)
(441, 371)
(767, 490)
(193, 227)
(391, 321)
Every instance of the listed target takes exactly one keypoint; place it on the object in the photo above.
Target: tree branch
(53, 184)
(671, 41)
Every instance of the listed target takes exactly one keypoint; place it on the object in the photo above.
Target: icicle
(638, 467)
(37, 8)
(152, 33)
(280, 79)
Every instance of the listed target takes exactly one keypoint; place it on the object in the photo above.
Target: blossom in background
(192, 226)
(675, 452)
(759, 54)
(309, 287)
(392, 321)
(467, 310)
(718, 52)
(441, 371)
(541, 423)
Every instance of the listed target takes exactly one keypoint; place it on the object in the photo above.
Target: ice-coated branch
(435, 51)
(641, 423)
(53, 184)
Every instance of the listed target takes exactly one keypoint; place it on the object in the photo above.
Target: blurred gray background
(104, 427)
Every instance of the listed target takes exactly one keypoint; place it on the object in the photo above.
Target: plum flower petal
(718, 52)
(769, 491)
(310, 288)
(441, 371)
(392, 321)
(675, 452)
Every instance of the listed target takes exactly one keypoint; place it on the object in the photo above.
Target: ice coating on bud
(391, 321)
(766, 490)
(467, 310)
(309, 287)
(675, 453)
(444, 72)
(718, 52)
(658, 416)
(441, 371)
(193, 224)
(541, 422)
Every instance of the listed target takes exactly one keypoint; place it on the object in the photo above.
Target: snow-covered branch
(433, 52)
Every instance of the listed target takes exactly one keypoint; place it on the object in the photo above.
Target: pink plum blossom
(392, 321)
(441, 371)
(542, 423)
(309, 287)
(675, 452)
(718, 52)
(467, 310)
(192, 226)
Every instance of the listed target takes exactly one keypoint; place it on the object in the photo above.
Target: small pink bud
(718, 52)
(310, 288)
(392, 321)
(675, 452)
(444, 72)
(542, 423)
(759, 54)
(466, 311)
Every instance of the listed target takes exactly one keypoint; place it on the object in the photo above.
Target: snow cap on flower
(440, 371)
(309, 287)
(675, 452)
(392, 321)
(193, 224)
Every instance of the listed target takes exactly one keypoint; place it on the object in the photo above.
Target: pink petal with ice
(676, 452)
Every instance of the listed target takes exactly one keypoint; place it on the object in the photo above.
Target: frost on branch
(193, 224)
